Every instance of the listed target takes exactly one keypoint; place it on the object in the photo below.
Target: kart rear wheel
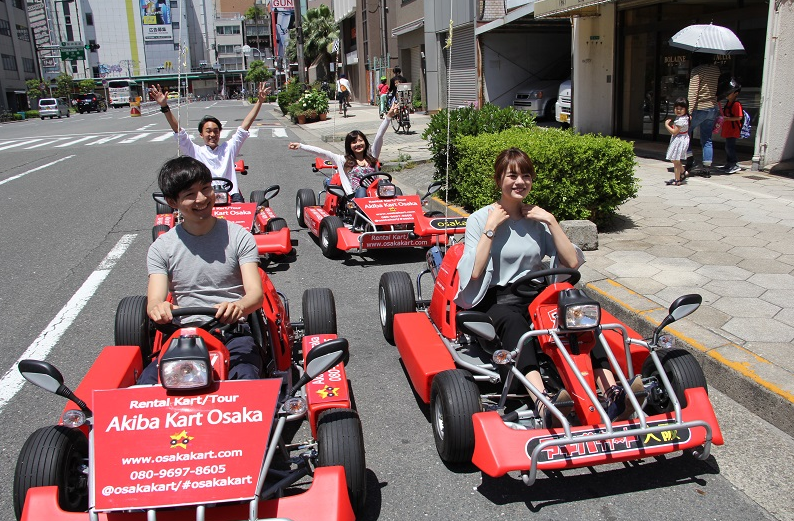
(133, 327)
(683, 371)
(340, 441)
(319, 312)
(258, 197)
(275, 224)
(329, 227)
(54, 456)
(163, 208)
(305, 198)
(157, 230)
(454, 398)
(395, 295)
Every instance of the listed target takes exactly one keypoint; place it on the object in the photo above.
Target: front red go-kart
(271, 233)
(198, 443)
(480, 404)
(385, 218)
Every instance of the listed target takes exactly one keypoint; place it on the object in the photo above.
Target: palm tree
(319, 33)
(255, 13)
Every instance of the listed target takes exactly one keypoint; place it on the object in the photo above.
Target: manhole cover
(755, 177)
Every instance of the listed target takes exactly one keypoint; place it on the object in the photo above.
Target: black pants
(510, 316)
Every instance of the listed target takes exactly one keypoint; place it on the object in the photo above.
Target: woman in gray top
(505, 241)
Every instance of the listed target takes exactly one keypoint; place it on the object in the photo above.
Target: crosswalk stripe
(163, 137)
(74, 142)
(105, 140)
(16, 144)
(46, 143)
(225, 133)
(134, 138)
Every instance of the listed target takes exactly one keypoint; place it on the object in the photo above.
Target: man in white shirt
(343, 91)
(218, 157)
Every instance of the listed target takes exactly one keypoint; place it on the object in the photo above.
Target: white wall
(594, 71)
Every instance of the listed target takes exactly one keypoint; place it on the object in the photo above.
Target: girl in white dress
(679, 142)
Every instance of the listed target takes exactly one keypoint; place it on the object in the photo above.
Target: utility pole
(384, 37)
(299, 41)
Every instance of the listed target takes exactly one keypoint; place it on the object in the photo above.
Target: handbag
(718, 124)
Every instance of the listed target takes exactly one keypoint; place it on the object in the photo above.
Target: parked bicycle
(403, 119)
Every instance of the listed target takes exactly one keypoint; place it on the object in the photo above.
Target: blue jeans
(704, 120)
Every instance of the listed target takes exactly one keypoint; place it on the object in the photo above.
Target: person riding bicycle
(383, 93)
(344, 93)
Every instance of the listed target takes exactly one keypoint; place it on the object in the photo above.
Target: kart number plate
(393, 240)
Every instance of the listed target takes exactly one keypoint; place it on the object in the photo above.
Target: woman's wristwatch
(488, 233)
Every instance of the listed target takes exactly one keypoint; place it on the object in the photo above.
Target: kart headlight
(577, 311)
(73, 418)
(221, 198)
(295, 406)
(502, 357)
(666, 342)
(386, 190)
(184, 374)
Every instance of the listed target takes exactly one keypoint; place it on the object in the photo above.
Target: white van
(562, 109)
(53, 107)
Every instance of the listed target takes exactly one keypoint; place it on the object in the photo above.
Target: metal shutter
(463, 69)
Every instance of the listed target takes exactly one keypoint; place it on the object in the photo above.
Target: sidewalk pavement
(729, 238)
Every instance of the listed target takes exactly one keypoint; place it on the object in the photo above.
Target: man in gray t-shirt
(206, 262)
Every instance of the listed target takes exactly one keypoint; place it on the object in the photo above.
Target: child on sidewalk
(733, 117)
(679, 142)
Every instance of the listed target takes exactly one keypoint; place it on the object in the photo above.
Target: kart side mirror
(433, 188)
(160, 198)
(322, 358)
(271, 192)
(336, 190)
(45, 375)
(682, 307)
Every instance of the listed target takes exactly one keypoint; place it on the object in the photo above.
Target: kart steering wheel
(529, 286)
(169, 329)
(367, 180)
(223, 185)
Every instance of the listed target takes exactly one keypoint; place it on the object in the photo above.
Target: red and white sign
(152, 449)
(394, 240)
(238, 213)
(391, 211)
(282, 4)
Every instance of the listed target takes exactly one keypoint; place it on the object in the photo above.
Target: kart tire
(454, 398)
(329, 238)
(163, 208)
(258, 197)
(319, 312)
(305, 198)
(53, 456)
(276, 224)
(340, 441)
(395, 295)
(683, 371)
(133, 327)
(157, 230)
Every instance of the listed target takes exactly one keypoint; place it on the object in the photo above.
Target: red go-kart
(271, 233)
(197, 445)
(480, 404)
(385, 218)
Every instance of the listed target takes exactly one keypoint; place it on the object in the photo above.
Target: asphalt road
(59, 222)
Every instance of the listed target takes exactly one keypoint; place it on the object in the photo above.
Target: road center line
(4, 181)
(12, 381)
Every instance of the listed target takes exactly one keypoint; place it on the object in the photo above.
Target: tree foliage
(258, 72)
(86, 86)
(319, 32)
(65, 85)
(34, 89)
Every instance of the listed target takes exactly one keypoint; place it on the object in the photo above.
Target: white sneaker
(734, 169)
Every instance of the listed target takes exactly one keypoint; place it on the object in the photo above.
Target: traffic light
(92, 47)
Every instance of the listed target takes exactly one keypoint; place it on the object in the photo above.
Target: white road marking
(4, 181)
(19, 144)
(70, 143)
(279, 132)
(134, 138)
(165, 136)
(225, 133)
(46, 143)
(12, 381)
(105, 139)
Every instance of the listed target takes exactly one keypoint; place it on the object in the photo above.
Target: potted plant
(316, 102)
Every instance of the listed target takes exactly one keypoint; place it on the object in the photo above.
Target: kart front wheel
(133, 326)
(340, 441)
(276, 224)
(304, 198)
(454, 398)
(54, 456)
(319, 312)
(683, 371)
(158, 230)
(258, 197)
(329, 229)
(395, 295)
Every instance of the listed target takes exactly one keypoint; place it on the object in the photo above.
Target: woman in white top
(505, 241)
(359, 159)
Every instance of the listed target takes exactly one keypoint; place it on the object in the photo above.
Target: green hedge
(578, 176)
(31, 114)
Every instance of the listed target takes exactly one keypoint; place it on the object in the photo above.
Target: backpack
(744, 133)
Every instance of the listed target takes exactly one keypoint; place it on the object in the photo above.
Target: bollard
(135, 108)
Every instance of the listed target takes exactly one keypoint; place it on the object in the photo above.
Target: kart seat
(480, 326)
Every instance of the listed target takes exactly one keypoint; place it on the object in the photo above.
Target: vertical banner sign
(157, 449)
(283, 16)
(156, 20)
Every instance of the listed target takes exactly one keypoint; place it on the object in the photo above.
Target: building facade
(18, 55)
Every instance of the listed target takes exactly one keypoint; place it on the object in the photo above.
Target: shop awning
(407, 28)
(567, 8)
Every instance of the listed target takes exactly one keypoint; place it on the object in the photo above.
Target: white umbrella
(710, 39)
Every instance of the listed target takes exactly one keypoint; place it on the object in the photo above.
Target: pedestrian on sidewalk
(733, 117)
(679, 141)
(702, 97)
(218, 157)
(344, 93)
(359, 159)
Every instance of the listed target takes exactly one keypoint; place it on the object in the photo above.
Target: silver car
(53, 108)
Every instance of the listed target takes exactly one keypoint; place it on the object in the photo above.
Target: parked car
(562, 109)
(53, 108)
(173, 95)
(91, 102)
